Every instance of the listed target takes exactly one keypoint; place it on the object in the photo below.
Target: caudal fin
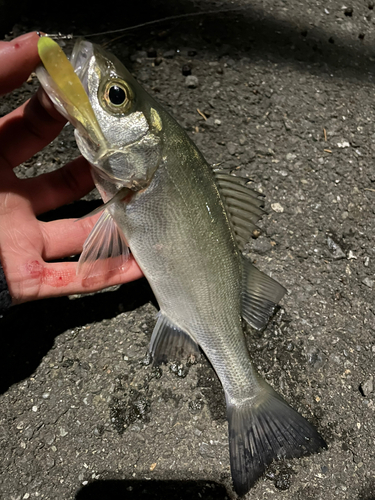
(264, 429)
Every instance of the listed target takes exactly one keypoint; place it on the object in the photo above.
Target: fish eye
(117, 95)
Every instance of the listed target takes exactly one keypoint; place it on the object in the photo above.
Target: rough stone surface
(287, 87)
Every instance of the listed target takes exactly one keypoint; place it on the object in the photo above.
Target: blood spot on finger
(34, 269)
(47, 276)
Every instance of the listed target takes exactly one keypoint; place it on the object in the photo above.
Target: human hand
(27, 244)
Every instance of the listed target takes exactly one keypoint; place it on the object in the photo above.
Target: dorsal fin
(244, 206)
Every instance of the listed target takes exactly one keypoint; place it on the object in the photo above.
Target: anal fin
(260, 295)
(170, 342)
(264, 429)
(104, 250)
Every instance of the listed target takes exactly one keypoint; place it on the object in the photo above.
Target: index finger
(18, 58)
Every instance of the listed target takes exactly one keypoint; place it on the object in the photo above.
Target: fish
(186, 225)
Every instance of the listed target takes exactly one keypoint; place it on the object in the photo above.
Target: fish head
(117, 126)
(128, 120)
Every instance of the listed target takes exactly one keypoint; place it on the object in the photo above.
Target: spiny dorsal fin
(104, 250)
(243, 205)
(170, 342)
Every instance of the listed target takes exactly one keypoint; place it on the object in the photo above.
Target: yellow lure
(62, 73)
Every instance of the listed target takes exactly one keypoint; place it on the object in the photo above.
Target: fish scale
(186, 226)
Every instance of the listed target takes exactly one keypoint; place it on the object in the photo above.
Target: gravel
(287, 90)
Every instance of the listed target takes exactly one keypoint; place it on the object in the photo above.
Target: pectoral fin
(260, 295)
(120, 196)
(170, 342)
(105, 249)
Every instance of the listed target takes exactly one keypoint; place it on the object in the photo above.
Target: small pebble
(282, 482)
(261, 245)
(232, 148)
(169, 54)
(367, 387)
(30, 172)
(151, 52)
(186, 70)
(291, 156)
(276, 207)
(343, 144)
(191, 82)
(206, 450)
(50, 462)
(336, 250)
(368, 282)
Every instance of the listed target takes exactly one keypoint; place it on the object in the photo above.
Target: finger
(51, 280)
(65, 237)
(19, 58)
(69, 183)
(47, 104)
(32, 126)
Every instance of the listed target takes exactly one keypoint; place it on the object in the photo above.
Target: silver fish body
(186, 226)
(180, 236)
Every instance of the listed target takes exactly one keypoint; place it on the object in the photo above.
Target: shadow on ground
(368, 492)
(152, 490)
(28, 330)
(241, 33)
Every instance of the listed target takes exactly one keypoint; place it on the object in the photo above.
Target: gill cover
(126, 115)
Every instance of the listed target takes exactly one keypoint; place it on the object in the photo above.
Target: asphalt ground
(284, 95)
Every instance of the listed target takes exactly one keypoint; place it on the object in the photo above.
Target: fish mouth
(80, 60)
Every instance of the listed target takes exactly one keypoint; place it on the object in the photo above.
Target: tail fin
(264, 429)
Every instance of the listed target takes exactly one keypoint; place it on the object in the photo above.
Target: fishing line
(70, 36)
